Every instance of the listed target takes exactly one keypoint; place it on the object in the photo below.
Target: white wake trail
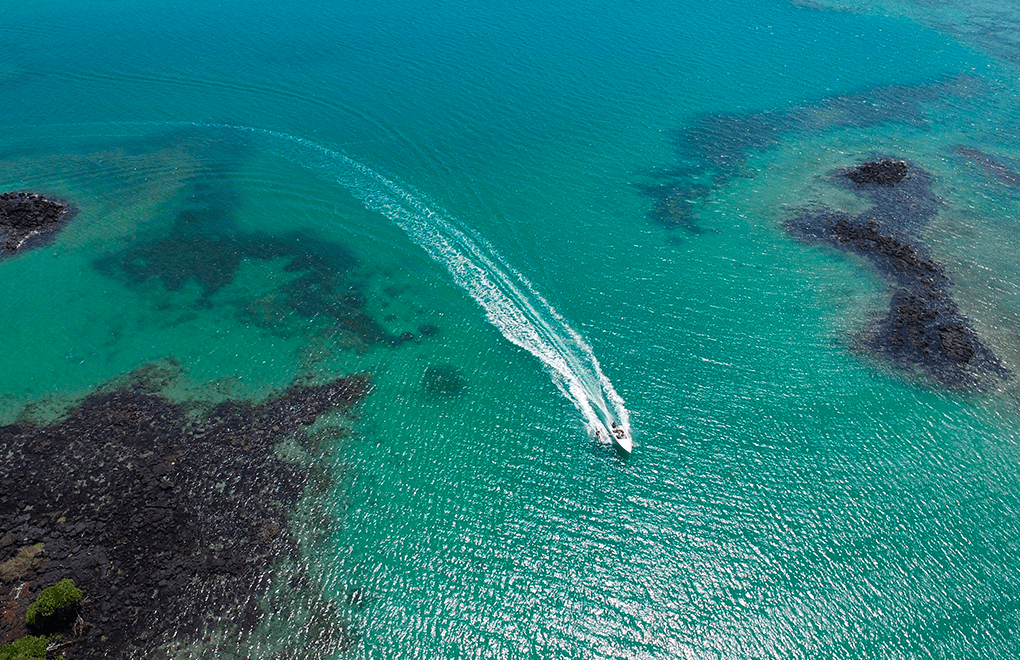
(510, 301)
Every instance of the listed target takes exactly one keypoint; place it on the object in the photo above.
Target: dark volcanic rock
(147, 509)
(923, 328)
(886, 172)
(28, 220)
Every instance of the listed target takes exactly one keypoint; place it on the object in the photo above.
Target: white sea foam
(510, 301)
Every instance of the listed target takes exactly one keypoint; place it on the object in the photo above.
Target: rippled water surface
(525, 220)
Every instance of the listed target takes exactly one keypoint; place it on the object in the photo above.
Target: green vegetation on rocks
(26, 648)
(56, 600)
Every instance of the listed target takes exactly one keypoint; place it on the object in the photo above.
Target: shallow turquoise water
(786, 498)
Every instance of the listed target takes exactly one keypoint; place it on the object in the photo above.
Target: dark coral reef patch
(886, 172)
(444, 380)
(923, 329)
(991, 165)
(165, 521)
(715, 147)
(29, 220)
(205, 245)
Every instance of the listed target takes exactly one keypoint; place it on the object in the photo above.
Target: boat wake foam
(510, 301)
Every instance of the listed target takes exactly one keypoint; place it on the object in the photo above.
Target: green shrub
(63, 596)
(26, 648)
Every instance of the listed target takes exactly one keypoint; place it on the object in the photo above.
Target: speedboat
(621, 438)
(605, 425)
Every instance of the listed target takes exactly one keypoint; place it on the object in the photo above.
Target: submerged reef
(166, 519)
(28, 220)
(923, 329)
(444, 380)
(714, 148)
(991, 165)
(205, 245)
(883, 172)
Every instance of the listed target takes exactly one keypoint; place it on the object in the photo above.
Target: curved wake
(510, 301)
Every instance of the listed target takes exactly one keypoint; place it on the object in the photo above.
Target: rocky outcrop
(923, 329)
(28, 220)
(145, 506)
(886, 172)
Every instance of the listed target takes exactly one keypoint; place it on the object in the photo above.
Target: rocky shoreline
(28, 220)
(923, 329)
(146, 504)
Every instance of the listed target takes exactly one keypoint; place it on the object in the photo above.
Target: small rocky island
(923, 329)
(29, 220)
(166, 519)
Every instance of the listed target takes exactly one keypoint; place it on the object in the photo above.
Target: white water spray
(510, 301)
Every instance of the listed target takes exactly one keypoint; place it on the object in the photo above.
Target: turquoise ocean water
(272, 192)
